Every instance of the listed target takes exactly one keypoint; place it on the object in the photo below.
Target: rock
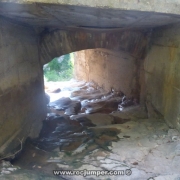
(6, 164)
(105, 105)
(5, 172)
(71, 146)
(70, 111)
(70, 107)
(126, 103)
(100, 119)
(87, 124)
(118, 120)
(62, 166)
(11, 169)
(91, 95)
(50, 125)
(61, 103)
(97, 119)
(175, 138)
(56, 90)
(173, 132)
(74, 108)
(135, 163)
(80, 149)
(131, 112)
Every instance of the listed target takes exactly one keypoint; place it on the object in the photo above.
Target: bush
(59, 69)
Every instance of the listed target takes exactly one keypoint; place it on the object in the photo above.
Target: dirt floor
(93, 131)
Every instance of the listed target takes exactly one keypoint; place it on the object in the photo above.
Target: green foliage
(59, 69)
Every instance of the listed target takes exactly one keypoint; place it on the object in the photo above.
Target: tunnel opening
(101, 116)
(58, 73)
(122, 115)
(95, 66)
(86, 120)
(98, 66)
(59, 69)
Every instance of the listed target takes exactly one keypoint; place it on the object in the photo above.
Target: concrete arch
(60, 42)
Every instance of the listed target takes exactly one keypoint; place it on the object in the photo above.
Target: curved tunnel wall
(21, 86)
(109, 69)
(59, 42)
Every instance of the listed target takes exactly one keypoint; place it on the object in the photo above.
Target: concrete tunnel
(132, 46)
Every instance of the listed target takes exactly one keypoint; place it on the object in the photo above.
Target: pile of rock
(7, 168)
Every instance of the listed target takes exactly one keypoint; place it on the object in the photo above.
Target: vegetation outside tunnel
(60, 69)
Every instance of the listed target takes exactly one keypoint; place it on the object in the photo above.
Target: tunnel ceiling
(139, 15)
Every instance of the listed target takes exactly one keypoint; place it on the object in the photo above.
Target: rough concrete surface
(92, 13)
(21, 90)
(110, 70)
(60, 42)
(162, 75)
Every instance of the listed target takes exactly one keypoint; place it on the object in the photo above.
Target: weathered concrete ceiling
(92, 13)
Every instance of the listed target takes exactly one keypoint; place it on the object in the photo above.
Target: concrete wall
(162, 73)
(109, 69)
(21, 86)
